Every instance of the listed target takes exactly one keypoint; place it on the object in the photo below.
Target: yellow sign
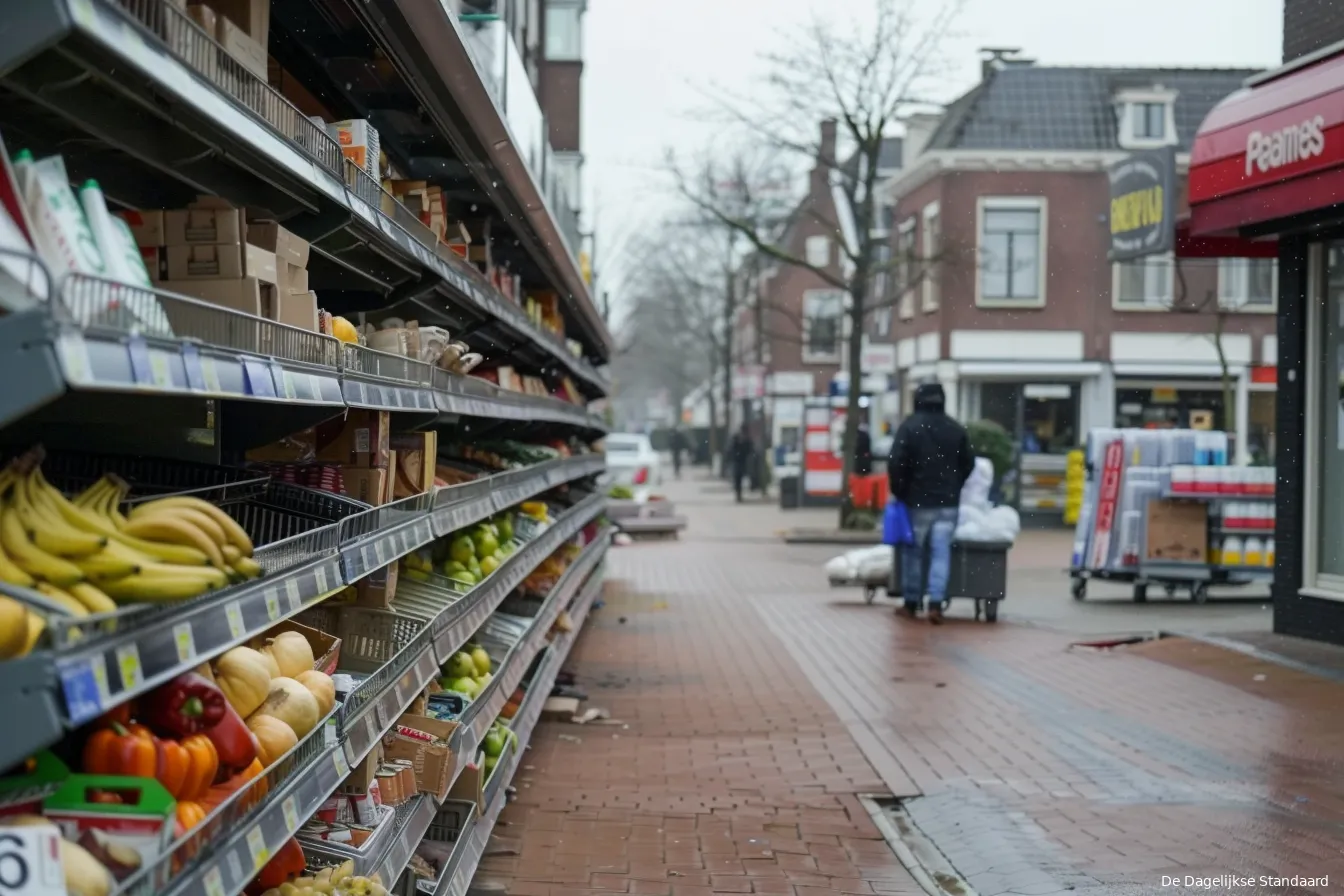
(1137, 210)
(586, 268)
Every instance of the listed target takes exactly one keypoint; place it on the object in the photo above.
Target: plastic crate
(979, 570)
(290, 524)
(371, 638)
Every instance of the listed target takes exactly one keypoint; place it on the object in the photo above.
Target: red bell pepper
(189, 704)
(235, 745)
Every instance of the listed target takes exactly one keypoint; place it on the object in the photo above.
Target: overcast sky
(648, 63)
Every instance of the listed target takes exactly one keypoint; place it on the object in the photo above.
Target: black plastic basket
(290, 524)
(153, 477)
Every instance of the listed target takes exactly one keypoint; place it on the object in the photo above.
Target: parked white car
(632, 462)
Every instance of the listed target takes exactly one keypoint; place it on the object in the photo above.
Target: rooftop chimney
(826, 150)
(994, 58)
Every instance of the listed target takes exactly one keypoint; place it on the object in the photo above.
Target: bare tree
(865, 77)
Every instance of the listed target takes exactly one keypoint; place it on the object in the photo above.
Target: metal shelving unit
(239, 854)
(273, 154)
(107, 666)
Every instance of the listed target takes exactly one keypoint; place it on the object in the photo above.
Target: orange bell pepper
(189, 814)
(203, 763)
(117, 750)
(174, 766)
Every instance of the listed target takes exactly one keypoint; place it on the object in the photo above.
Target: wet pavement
(757, 707)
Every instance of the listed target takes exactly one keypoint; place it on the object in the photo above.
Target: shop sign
(748, 381)
(1164, 395)
(823, 461)
(1143, 205)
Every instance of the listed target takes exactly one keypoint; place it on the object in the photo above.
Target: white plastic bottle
(1269, 552)
(104, 234)
(1255, 552)
(1233, 553)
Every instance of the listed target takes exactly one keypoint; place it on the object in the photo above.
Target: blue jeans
(933, 528)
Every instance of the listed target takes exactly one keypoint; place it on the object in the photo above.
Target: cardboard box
(221, 262)
(417, 454)
(244, 294)
(252, 17)
(297, 310)
(364, 484)
(378, 588)
(470, 784)
(242, 47)
(142, 822)
(326, 648)
(146, 227)
(359, 439)
(272, 237)
(359, 143)
(1178, 531)
(362, 775)
(204, 225)
(433, 762)
(292, 280)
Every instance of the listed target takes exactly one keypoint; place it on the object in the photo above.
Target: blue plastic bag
(896, 528)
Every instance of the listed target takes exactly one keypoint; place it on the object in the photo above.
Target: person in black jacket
(740, 451)
(863, 451)
(931, 459)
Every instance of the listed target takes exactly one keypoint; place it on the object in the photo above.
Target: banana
(94, 600)
(11, 573)
(89, 497)
(201, 520)
(36, 626)
(156, 587)
(248, 567)
(83, 518)
(237, 536)
(175, 528)
(231, 554)
(47, 529)
(215, 578)
(13, 628)
(32, 559)
(113, 562)
(63, 598)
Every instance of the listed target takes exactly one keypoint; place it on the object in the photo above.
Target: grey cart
(979, 572)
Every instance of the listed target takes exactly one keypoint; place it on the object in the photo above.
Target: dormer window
(1146, 119)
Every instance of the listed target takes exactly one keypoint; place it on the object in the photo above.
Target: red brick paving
(1041, 768)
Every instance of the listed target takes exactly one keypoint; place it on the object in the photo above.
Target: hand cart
(979, 572)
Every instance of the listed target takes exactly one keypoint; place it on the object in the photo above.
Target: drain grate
(926, 863)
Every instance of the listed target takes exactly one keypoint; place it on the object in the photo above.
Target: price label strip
(74, 352)
(256, 847)
(290, 812)
(214, 882)
(320, 576)
(85, 687)
(272, 604)
(191, 362)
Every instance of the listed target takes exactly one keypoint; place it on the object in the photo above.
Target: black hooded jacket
(931, 456)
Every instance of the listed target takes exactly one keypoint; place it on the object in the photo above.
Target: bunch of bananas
(87, 556)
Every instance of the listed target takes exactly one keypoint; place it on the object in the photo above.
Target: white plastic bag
(860, 564)
(975, 493)
(1001, 524)
(874, 564)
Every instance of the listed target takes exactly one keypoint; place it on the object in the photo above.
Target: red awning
(1272, 150)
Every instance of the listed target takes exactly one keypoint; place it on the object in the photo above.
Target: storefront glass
(1043, 421)
(1170, 406)
(1330, 547)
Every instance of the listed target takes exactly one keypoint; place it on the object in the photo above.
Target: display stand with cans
(1165, 507)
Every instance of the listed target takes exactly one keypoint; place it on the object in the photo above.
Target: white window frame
(930, 296)
(882, 322)
(812, 299)
(817, 251)
(1162, 303)
(1013, 203)
(907, 241)
(907, 306)
(1240, 303)
(1125, 103)
(571, 52)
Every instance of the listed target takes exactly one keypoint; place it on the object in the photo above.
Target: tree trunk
(714, 446)
(854, 363)
(729, 313)
(1229, 399)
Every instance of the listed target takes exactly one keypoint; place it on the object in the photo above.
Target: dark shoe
(936, 614)
(911, 611)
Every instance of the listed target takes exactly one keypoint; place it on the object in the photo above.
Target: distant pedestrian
(679, 447)
(931, 459)
(863, 451)
(740, 452)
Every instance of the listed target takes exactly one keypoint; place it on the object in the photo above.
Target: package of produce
(60, 232)
(125, 823)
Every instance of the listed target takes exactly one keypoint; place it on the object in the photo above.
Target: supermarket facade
(1268, 163)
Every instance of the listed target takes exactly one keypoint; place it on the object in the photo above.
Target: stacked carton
(210, 251)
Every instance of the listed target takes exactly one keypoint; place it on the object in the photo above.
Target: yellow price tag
(272, 604)
(234, 613)
(210, 373)
(159, 371)
(291, 813)
(341, 763)
(214, 882)
(320, 574)
(128, 663)
(185, 642)
(256, 846)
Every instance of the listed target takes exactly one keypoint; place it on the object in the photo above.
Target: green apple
(489, 767)
(494, 743)
(465, 686)
(463, 549)
(460, 665)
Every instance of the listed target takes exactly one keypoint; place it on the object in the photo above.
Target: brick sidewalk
(757, 705)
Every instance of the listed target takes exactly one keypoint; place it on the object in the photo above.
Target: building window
(818, 251)
(907, 306)
(933, 236)
(823, 325)
(564, 31)
(1149, 121)
(1248, 284)
(881, 268)
(1145, 283)
(1012, 253)
(882, 322)
(906, 236)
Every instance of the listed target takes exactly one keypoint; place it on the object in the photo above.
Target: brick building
(1020, 315)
